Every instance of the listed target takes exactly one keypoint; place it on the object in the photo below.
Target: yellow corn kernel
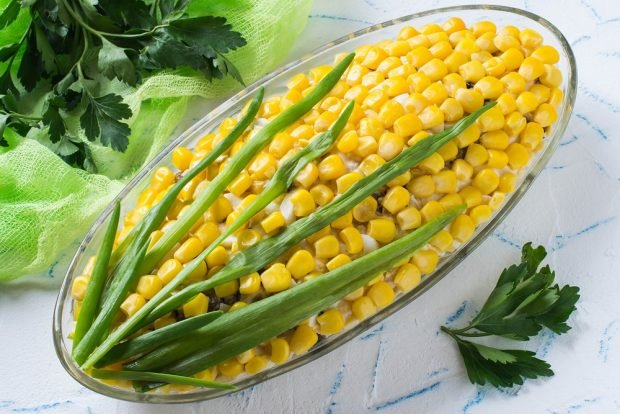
(546, 54)
(279, 350)
(205, 143)
(220, 209)
(303, 339)
(472, 71)
(146, 198)
(476, 155)
(298, 82)
(249, 284)
(409, 218)
(462, 169)
(491, 120)
(527, 102)
(316, 74)
(356, 294)
(441, 49)
(545, 115)
(407, 32)
(396, 199)
(132, 304)
(300, 264)
(490, 87)
(418, 82)
(422, 186)
(240, 184)
(244, 357)
(417, 138)
(154, 238)
(372, 127)
(431, 117)
(442, 241)
(255, 365)
(401, 180)
(382, 230)
(552, 77)
(468, 137)
(506, 103)
(197, 306)
(375, 99)
(148, 286)
(435, 69)
(452, 110)
(352, 240)
(276, 278)
(230, 367)
(470, 99)
(503, 42)
(366, 146)
(327, 247)
(431, 210)
(531, 136)
(163, 178)
(402, 71)
(270, 109)
(507, 183)
(303, 203)
(207, 233)
(530, 38)
(199, 273)
(462, 228)
(78, 288)
(514, 83)
(372, 80)
(486, 181)
(450, 201)
(218, 257)
(419, 40)
(273, 222)
(281, 145)
(556, 97)
(371, 163)
(340, 260)
(395, 86)
(181, 158)
(374, 57)
(363, 307)
(445, 181)
(390, 145)
(263, 166)
(518, 155)
(435, 93)
(354, 74)
(426, 260)
(497, 199)
(169, 269)
(418, 56)
(453, 24)
(497, 159)
(302, 132)
(381, 294)
(227, 289)
(480, 214)
(308, 175)
(330, 322)
(531, 68)
(515, 123)
(494, 67)
(512, 58)
(346, 181)
(482, 27)
(415, 103)
(471, 196)
(365, 210)
(331, 168)
(497, 140)
(390, 112)
(348, 142)
(324, 121)
(343, 221)
(189, 250)
(541, 92)
(432, 164)
(407, 277)
(325, 231)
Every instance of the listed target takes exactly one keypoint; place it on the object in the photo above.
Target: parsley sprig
(70, 46)
(523, 302)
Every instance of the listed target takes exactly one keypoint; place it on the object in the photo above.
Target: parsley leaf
(9, 14)
(3, 120)
(101, 117)
(114, 62)
(522, 303)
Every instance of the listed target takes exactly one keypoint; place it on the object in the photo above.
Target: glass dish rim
(455, 258)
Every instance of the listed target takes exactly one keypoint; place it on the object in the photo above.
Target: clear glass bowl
(275, 84)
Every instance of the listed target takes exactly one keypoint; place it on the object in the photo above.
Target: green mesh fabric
(46, 205)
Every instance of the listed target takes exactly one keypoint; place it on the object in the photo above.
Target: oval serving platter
(274, 83)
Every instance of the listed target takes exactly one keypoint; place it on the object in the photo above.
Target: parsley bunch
(522, 303)
(70, 46)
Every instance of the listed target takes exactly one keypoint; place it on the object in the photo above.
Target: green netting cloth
(45, 205)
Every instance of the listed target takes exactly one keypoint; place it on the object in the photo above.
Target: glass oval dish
(275, 83)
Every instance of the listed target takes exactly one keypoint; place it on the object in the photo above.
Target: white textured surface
(405, 365)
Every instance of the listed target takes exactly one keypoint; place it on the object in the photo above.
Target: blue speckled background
(405, 365)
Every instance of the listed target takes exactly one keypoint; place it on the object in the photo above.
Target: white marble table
(405, 365)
